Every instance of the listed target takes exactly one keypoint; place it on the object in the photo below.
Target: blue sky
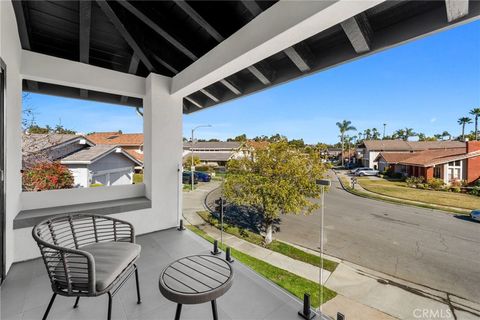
(426, 85)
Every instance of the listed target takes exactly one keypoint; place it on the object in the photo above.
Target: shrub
(414, 182)
(475, 191)
(204, 169)
(47, 176)
(456, 189)
(435, 183)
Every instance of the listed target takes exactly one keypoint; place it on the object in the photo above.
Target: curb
(400, 202)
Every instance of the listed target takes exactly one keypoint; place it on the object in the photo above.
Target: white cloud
(433, 120)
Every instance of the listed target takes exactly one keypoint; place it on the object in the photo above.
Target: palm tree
(375, 134)
(475, 112)
(344, 127)
(408, 133)
(446, 134)
(464, 121)
(399, 134)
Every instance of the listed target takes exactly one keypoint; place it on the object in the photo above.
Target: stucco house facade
(89, 163)
(455, 164)
(372, 148)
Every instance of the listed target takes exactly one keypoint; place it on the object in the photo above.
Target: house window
(437, 172)
(454, 170)
(71, 143)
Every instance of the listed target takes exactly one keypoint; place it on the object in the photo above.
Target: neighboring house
(132, 143)
(333, 153)
(446, 164)
(372, 148)
(214, 153)
(101, 164)
(50, 147)
(88, 162)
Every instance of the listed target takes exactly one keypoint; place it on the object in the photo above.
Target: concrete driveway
(423, 246)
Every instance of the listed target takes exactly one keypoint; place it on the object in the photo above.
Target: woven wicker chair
(87, 255)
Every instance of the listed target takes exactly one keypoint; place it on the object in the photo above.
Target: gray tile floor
(26, 291)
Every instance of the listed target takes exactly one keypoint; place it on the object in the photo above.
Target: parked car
(187, 178)
(475, 214)
(367, 172)
(353, 171)
(202, 176)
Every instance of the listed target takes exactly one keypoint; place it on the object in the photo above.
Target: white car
(353, 171)
(367, 172)
(475, 214)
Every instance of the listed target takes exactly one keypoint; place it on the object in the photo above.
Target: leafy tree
(277, 137)
(446, 134)
(214, 140)
(463, 121)
(475, 112)
(36, 129)
(47, 176)
(344, 127)
(297, 143)
(408, 133)
(375, 134)
(187, 162)
(281, 180)
(60, 129)
(240, 138)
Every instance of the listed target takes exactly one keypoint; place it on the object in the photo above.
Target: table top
(196, 279)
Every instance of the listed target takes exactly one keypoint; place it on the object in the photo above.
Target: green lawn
(276, 246)
(399, 189)
(287, 280)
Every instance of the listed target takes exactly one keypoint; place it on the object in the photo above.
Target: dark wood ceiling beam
(209, 94)
(194, 102)
(132, 69)
(231, 87)
(192, 13)
(125, 34)
(199, 20)
(85, 19)
(252, 7)
(456, 9)
(141, 16)
(259, 75)
(297, 59)
(291, 53)
(359, 32)
(23, 34)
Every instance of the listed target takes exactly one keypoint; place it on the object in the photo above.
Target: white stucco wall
(10, 52)
(163, 131)
(162, 128)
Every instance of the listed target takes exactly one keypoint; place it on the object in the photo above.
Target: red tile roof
(135, 154)
(401, 145)
(115, 138)
(427, 158)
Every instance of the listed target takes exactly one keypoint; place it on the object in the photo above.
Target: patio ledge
(28, 218)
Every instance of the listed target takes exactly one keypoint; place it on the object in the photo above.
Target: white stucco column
(163, 150)
(10, 52)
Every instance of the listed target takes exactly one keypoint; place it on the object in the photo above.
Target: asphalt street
(428, 247)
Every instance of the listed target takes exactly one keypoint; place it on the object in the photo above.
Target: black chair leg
(76, 303)
(214, 309)
(178, 312)
(139, 299)
(49, 306)
(109, 306)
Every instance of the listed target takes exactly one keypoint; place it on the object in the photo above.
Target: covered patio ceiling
(168, 37)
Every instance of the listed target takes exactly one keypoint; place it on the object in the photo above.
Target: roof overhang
(215, 52)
